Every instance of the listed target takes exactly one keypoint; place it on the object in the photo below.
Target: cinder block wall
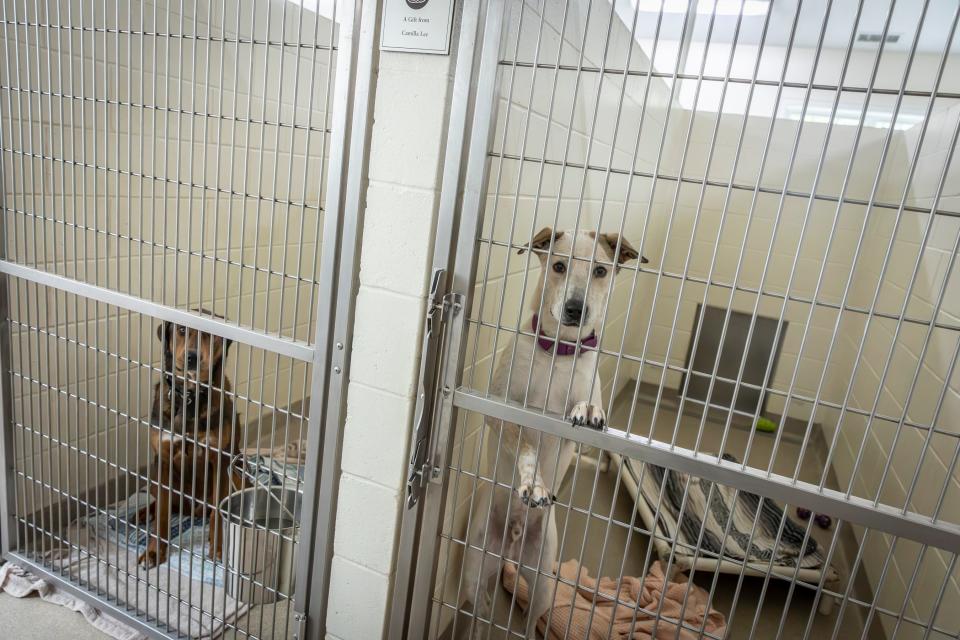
(410, 114)
(923, 279)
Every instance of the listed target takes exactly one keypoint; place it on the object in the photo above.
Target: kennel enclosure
(183, 163)
(789, 163)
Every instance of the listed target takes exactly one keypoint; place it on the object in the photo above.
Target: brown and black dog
(199, 432)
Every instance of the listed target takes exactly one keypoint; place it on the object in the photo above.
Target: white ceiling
(842, 23)
(324, 8)
(843, 16)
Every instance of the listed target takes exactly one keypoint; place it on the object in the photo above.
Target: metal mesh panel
(602, 533)
(649, 159)
(164, 173)
(83, 466)
(171, 151)
(862, 278)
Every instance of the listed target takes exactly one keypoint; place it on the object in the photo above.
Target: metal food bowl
(260, 528)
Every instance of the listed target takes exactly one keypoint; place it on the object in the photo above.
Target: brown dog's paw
(585, 414)
(140, 517)
(153, 556)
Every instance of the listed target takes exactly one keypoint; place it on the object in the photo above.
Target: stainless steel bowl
(261, 527)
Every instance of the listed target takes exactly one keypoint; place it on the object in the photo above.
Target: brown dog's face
(192, 354)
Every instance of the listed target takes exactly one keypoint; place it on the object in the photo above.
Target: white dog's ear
(626, 253)
(541, 241)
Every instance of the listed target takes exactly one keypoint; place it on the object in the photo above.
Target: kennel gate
(159, 158)
(506, 155)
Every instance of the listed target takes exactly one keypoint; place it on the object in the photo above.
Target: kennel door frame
(329, 356)
(465, 179)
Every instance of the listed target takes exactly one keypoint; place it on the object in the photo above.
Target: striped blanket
(705, 517)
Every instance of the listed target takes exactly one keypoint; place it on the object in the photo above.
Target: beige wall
(913, 353)
(783, 244)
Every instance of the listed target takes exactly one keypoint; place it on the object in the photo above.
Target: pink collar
(563, 348)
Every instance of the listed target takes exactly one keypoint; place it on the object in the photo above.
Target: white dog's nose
(573, 311)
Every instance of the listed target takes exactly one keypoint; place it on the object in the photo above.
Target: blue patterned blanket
(189, 534)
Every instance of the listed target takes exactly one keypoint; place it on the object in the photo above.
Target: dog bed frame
(665, 532)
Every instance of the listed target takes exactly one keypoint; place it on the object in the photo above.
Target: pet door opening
(731, 346)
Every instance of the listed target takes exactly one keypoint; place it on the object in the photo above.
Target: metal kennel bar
(160, 160)
(878, 517)
(602, 117)
(292, 348)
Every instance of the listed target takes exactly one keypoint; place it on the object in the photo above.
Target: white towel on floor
(148, 590)
(20, 583)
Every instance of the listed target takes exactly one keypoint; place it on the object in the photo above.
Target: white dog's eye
(599, 272)
(559, 267)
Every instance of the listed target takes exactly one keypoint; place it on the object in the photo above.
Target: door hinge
(440, 308)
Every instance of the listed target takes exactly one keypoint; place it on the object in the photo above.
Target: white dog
(522, 524)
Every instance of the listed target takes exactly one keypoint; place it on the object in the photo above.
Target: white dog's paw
(585, 414)
(535, 494)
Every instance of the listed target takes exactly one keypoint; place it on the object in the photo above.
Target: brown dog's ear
(163, 330)
(226, 345)
(541, 241)
(627, 252)
(207, 312)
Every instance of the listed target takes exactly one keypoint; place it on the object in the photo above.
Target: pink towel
(628, 623)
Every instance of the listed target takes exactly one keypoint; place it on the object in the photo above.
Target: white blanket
(167, 597)
(20, 583)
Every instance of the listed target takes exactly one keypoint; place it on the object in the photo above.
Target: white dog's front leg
(533, 492)
(590, 413)
(540, 585)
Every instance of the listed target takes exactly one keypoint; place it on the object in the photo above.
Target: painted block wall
(406, 151)
(219, 210)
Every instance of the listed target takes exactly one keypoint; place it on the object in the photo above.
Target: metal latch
(439, 306)
(300, 619)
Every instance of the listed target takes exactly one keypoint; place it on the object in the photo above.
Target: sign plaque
(417, 26)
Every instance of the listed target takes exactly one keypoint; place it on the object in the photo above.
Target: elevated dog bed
(681, 535)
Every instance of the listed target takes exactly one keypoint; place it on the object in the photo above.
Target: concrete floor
(602, 496)
(33, 619)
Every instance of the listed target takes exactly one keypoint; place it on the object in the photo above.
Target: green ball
(764, 424)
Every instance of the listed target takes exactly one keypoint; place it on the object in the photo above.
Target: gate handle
(425, 385)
